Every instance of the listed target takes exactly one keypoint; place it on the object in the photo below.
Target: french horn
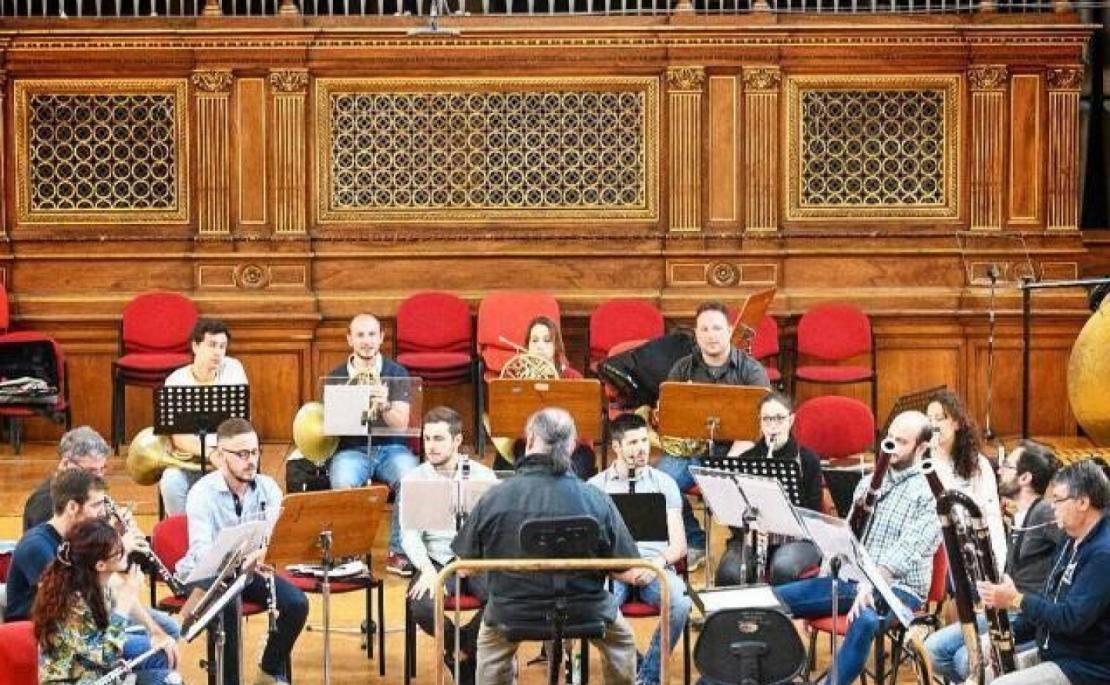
(149, 455)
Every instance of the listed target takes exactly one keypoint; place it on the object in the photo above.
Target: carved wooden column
(3, 146)
(289, 88)
(987, 151)
(684, 95)
(761, 148)
(1063, 147)
(213, 94)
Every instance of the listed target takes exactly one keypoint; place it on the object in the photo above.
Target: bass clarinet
(971, 560)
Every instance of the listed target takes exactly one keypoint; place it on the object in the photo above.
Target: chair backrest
(834, 331)
(170, 539)
(158, 322)
(19, 654)
(766, 342)
(617, 321)
(938, 584)
(505, 314)
(433, 321)
(835, 427)
(5, 312)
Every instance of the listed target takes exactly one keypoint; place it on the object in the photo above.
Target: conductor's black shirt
(492, 531)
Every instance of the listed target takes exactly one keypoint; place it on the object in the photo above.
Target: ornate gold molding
(935, 195)
(252, 276)
(722, 274)
(762, 79)
(686, 78)
(1065, 78)
(212, 80)
(289, 81)
(173, 93)
(987, 77)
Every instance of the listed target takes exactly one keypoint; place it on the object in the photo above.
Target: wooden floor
(19, 475)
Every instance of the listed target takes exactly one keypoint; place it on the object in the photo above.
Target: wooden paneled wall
(291, 174)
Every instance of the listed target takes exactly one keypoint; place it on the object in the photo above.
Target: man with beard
(388, 458)
(1024, 476)
(235, 494)
(430, 550)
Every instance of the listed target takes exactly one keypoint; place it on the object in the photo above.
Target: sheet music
(776, 515)
(431, 504)
(344, 406)
(720, 492)
(757, 597)
(246, 537)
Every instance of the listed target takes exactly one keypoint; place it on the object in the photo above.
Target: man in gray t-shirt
(630, 472)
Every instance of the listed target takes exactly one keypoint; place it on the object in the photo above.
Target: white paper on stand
(344, 406)
(776, 515)
(245, 537)
(719, 491)
(432, 504)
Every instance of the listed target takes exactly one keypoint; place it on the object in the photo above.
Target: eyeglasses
(243, 454)
(774, 418)
(1057, 501)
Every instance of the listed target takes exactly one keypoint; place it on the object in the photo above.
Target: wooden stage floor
(20, 474)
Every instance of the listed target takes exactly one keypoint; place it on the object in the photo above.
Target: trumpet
(145, 558)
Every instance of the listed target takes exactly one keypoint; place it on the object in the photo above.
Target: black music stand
(199, 410)
(645, 515)
(788, 472)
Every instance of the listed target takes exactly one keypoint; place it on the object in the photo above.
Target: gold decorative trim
(1065, 78)
(25, 89)
(946, 208)
(648, 150)
(762, 79)
(289, 81)
(212, 80)
(252, 276)
(722, 274)
(687, 78)
(987, 77)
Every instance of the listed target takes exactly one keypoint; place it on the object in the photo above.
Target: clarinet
(119, 673)
(271, 603)
(146, 559)
(861, 514)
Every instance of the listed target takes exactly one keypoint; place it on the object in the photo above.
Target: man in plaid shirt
(904, 534)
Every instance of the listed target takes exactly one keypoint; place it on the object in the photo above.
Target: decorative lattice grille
(90, 152)
(514, 150)
(872, 148)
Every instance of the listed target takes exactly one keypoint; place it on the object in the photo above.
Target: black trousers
(423, 614)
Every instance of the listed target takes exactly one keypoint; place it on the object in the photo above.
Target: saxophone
(972, 559)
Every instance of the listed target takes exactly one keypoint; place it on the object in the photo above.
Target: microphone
(464, 466)
(632, 481)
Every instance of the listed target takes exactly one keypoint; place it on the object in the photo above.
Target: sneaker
(695, 557)
(264, 678)
(398, 564)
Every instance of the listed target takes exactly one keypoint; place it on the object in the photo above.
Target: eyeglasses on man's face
(243, 455)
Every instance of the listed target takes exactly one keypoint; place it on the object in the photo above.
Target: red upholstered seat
(830, 336)
(154, 340)
(621, 320)
(466, 603)
(429, 361)
(19, 654)
(637, 609)
(835, 427)
(765, 347)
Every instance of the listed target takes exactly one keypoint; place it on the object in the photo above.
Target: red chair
(25, 351)
(19, 654)
(930, 613)
(504, 315)
(466, 603)
(766, 350)
(618, 321)
(154, 340)
(835, 333)
(435, 341)
(835, 427)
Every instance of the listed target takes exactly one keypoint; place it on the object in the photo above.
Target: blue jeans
(154, 670)
(653, 595)
(948, 651)
(679, 469)
(353, 468)
(812, 598)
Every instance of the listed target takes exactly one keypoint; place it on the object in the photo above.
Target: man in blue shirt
(1071, 616)
(236, 493)
(388, 458)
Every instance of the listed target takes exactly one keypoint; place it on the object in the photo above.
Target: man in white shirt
(630, 473)
(430, 550)
(211, 366)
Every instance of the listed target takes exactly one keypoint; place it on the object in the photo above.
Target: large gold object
(529, 367)
(1089, 376)
(149, 455)
(308, 433)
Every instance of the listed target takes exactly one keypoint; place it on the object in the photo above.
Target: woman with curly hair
(960, 465)
(85, 600)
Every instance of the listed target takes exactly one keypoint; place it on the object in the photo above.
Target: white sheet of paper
(432, 504)
(739, 598)
(720, 492)
(343, 409)
(776, 515)
(249, 537)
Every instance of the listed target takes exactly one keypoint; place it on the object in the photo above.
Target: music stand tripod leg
(326, 561)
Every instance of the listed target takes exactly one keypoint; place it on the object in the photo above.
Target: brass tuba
(149, 455)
